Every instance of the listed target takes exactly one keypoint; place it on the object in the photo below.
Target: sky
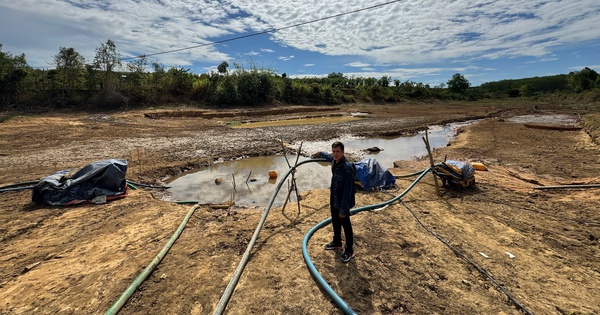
(424, 41)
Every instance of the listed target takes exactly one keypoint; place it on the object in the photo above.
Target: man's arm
(323, 155)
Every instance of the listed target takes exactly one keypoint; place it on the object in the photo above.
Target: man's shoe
(347, 256)
(333, 246)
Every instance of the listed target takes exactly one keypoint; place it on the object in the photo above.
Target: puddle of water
(300, 121)
(201, 185)
(400, 148)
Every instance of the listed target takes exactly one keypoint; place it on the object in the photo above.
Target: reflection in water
(259, 188)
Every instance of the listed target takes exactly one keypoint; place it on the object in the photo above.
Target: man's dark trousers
(338, 223)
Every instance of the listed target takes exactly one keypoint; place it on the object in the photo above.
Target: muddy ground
(80, 259)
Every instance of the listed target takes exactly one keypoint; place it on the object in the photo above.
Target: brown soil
(79, 260)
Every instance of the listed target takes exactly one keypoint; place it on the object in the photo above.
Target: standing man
(341, 198)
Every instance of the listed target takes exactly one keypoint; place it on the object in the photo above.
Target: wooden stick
(426, 140)
(294, 177)
(293, 187)
(233, 193)
(248, 178)
(284, 154)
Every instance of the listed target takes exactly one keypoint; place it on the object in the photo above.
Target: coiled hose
(339, 301)
(311, 267)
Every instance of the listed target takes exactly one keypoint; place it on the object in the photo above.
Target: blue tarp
(371, 175)
(93, 182)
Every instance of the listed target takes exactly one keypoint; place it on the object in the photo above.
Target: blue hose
(311, 267)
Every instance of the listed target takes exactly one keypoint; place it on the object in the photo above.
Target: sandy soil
(79, 260)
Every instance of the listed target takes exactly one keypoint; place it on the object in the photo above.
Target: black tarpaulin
(96, 182)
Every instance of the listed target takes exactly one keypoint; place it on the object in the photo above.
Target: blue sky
(419, 40)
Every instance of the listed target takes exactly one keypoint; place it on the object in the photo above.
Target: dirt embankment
(80, 259)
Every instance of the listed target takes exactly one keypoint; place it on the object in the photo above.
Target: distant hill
(532, 85)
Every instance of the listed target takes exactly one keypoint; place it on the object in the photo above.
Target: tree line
(109, 82)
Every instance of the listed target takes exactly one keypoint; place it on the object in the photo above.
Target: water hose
(409, 175)
(116, 307)
(568, 186)
(147, 185)
(339, 301)
(16, 188)
(240, 268)
(311, 267)
(19, 184)
(463, 256)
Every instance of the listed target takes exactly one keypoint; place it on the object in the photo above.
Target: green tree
(13, 71)
(582, 80)
(107, 59)
(458, 84)
(69, 64)
(526, 90)
(222, 68)
(137, 81)
(385, 81)
(180, 81)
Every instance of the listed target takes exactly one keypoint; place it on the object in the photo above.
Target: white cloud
(357, 64)
(252, 53)
(579, 68)
(404, 32)
(135, 27)
(309, 65)
(430, 30)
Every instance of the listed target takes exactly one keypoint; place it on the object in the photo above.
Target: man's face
(337, 153)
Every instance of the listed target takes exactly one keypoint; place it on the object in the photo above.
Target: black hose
(148, 186)
(19, 184)
(16, 188)
(463, 256)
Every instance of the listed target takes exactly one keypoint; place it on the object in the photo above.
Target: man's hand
(342, 215)
(316, 155)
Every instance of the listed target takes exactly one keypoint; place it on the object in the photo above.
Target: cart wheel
(472, 184)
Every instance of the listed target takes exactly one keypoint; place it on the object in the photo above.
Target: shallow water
(252, 183)
(300, 121)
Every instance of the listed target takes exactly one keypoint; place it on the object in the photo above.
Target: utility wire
(273, 30)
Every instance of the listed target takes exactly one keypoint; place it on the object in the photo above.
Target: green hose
(410, 175)
(116, 307)
(240, 268)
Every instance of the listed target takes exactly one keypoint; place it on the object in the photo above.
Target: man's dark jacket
(342, 189)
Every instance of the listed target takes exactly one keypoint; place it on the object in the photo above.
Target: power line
(273, 30)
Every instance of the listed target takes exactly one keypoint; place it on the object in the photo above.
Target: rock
(30, 266)
(373, 149)
(218, 181)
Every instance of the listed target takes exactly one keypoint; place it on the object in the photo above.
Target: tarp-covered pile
(96, 182)
(456, 173)
(372, 176)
